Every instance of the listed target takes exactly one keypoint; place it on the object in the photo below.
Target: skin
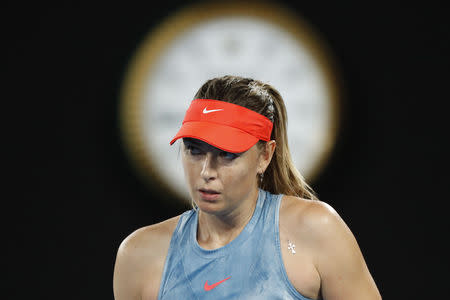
(328, 263)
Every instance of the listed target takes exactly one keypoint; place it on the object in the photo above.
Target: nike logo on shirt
(210, 287)
(205, 111)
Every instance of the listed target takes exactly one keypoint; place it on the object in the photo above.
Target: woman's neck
(215, 231)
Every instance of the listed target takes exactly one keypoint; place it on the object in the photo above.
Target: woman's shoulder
(308, 210)
(310, 219)
(325, 239)
(155, 237)
(140, 260)
(147, 245)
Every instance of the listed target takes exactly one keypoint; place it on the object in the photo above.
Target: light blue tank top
(249, 267)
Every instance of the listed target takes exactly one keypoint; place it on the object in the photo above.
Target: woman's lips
(209, 195)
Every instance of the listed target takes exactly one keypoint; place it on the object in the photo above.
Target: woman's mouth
(209, 195)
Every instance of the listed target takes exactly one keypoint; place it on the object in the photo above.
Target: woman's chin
(209, 206)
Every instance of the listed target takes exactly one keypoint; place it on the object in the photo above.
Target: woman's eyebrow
(235, 153)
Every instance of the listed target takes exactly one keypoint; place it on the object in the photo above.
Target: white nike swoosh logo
(205, 111)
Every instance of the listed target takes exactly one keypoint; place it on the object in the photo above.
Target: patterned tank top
(249, 267)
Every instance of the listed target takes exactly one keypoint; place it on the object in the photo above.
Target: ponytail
(281, 176)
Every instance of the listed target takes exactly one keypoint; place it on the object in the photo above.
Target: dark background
(72, 196)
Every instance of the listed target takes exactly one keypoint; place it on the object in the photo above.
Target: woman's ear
(266, 155)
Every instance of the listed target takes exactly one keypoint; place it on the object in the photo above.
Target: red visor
(224, 125)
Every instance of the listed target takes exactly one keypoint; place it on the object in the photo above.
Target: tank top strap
(172, 262)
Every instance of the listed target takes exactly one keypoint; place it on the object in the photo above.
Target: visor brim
(224, 137)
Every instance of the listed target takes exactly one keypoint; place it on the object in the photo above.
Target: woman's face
(220, 181)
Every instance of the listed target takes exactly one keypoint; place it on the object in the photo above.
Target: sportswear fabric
(224, 125)
(249, 267)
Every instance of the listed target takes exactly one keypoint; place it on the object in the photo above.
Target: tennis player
(256, 230)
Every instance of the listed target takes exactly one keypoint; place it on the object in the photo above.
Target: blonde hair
(281, 176)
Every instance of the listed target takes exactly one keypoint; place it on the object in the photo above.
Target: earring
(261, 177)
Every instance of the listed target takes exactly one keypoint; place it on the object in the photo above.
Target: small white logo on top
(205, 111)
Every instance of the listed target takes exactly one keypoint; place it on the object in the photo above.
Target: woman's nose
(209, 171)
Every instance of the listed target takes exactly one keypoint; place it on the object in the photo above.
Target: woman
(257, 230)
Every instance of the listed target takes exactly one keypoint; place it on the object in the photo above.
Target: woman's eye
(228, 155)
(193, 150)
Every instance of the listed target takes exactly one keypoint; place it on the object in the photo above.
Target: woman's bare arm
(338, 258)
(328, 262)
